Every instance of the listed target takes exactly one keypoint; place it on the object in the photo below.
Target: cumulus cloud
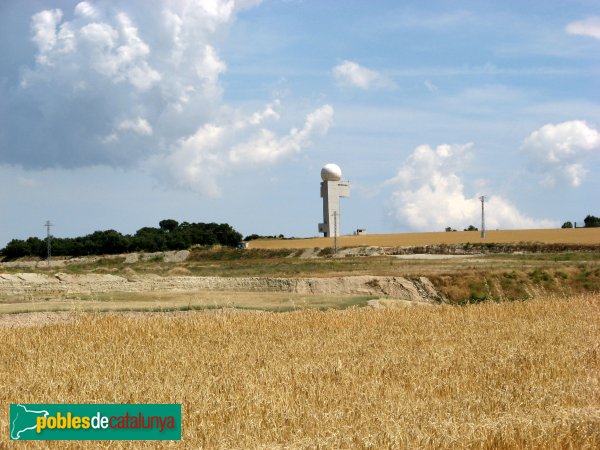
(349, 73)
(587, 27)
(105, 78)
(198, 161)
(48, 37)
(208, 68)
(265, 147)
(139, 126)
(86, 9)
(119, 53)
(140, 87)
(115, 51)
(430, 195)
(558, 151)
(194, 162)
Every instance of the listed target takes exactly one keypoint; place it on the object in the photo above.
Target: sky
(116, 115)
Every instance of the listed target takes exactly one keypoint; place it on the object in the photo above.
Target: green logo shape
(53, 422)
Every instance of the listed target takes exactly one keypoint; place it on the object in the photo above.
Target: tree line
(171, 235)
(589, 222)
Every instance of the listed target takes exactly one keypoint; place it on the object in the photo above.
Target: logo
(95, 422)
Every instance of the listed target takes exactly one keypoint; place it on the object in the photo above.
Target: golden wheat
(511, 375)
(547, 236)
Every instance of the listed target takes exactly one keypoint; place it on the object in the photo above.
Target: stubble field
(491, 375)
(546, 236)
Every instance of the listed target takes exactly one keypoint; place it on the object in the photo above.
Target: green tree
(168, 225)
(567, 225)
(591, 221)
(15, 249)
(109, 242)
(149, 239)
(37, 247)
(170, 236)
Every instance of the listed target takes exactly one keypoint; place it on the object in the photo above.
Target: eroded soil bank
(23, 286)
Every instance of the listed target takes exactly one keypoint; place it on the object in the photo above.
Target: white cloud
(192, 21)
(425, 160)
(200, 160)
(270, 112)
(116, 52)
(86, 9)
(45, 36)
(349, 73)
(194, 163)
(139, 126)
(430, 194)
(128, 61)
(97, 63)
(124, 76)
(587, 27)
(208, 69)
(557, 151)
(266, 148)
(99, 35)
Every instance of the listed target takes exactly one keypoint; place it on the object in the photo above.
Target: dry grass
(174, 300)
(511, 375)
(546, 236)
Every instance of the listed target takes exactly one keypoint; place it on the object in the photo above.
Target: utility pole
(48, 240)
(482, 198)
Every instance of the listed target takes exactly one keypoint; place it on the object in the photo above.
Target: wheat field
(546, 236)
(489, 376)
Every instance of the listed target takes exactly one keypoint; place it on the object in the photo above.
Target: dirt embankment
(466, 249)
(61, 285)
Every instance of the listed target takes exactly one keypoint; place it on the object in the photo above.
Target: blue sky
(120, 114)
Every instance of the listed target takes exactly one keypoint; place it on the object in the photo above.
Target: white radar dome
(331, 172)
